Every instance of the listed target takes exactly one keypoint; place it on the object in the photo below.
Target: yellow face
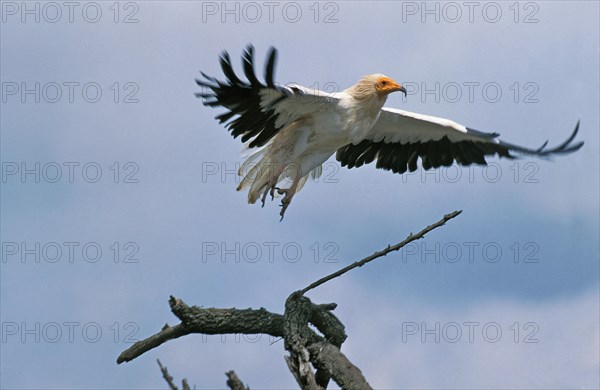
(386, 85)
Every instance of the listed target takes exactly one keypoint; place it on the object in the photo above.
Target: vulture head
(375, 85)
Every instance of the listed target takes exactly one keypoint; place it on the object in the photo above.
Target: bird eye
(383, 82)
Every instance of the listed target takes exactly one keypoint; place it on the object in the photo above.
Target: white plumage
(292, 130)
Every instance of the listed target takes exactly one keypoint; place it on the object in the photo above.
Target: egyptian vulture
(292, 130)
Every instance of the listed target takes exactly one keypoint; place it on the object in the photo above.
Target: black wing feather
(399, 157)
(228, 69)
(249, 67)
(270, 68)
(243, 98)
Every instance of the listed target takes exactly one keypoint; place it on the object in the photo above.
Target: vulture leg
(269, 189)
(288, 195)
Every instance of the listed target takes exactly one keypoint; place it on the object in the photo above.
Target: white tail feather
(264, 174)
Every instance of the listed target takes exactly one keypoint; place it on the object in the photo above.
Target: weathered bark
(307, 348)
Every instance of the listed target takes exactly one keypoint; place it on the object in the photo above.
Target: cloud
(543, 344)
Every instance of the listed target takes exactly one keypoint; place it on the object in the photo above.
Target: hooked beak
(397, 87)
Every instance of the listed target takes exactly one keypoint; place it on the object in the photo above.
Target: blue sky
(145, 178)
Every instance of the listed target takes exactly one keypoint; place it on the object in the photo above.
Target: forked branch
(307, 347)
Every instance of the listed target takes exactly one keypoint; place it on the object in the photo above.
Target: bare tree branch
(167, 377)
(306, 347)
(302, 373)
(207, 321)
(299, 311)
(167, 333)
(410, 238)
(332, 329)
(329, 358)
(297, 335)
(328, 324)
(234, 382)
(223, 321)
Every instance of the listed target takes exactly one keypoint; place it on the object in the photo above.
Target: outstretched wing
(399, 138)
(257, 111)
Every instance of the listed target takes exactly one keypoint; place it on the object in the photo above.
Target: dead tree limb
(299, 311)
(167, 376)
(207, 321)
(307, 348)
(328, 358)
(234, 382)
(411, 237)
(169, 379)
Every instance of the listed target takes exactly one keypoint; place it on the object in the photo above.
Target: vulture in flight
(292, 130)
